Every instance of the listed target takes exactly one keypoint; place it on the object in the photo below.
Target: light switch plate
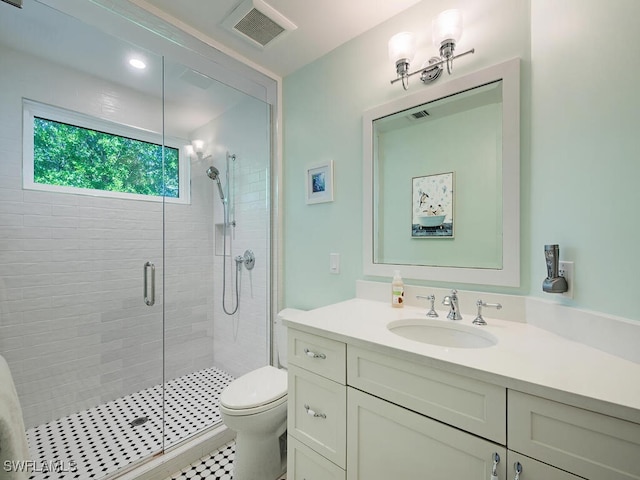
(334, 263)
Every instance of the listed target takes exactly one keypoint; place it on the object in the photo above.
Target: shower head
(214, 174)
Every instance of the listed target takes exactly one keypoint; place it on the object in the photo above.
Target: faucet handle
(479, 320)
(432, 311)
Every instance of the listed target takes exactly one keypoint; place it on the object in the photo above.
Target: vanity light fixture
(447, 30)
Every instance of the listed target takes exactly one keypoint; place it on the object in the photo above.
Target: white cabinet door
(304, 463)
(317, 413)
(318, 354)
(387, 441)
(463, 402)
(529, 469)
(587, 443)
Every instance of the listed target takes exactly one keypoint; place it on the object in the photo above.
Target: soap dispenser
(397, 290)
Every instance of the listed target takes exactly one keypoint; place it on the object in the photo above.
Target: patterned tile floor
(96, 442)
(217, 465)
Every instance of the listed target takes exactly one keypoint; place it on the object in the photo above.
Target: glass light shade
(198, 145)
(402, 46)
(447, 26)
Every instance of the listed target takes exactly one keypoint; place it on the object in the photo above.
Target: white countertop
(526, 358)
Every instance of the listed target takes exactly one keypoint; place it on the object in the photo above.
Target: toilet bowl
(255, 407)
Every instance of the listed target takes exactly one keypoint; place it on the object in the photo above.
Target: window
(70, 152)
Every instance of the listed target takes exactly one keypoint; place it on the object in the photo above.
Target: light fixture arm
(432, 66)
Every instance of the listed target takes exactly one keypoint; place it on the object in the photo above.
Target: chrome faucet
(452, 302)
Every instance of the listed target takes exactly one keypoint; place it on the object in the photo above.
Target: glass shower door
(226, 133)
(81, 212)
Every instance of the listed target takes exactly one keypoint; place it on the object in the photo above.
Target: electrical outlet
(565, 269)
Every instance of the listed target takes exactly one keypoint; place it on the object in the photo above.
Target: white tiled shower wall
(73, 325)
(240, 340)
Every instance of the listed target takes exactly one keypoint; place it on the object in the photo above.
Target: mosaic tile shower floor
(216, 466)
(97, 442)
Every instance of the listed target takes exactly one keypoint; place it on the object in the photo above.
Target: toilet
(255, 407)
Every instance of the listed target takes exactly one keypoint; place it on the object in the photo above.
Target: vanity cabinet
(358, 414)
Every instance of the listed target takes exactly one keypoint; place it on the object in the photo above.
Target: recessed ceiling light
(137, 63)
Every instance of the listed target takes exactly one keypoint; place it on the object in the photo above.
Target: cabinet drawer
(318, 354)
(389, 442)
(531, 469)
(586, 443)
(305, 464)
(463, 402)
(317, 413)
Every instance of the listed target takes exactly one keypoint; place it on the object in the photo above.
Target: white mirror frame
(509, 275)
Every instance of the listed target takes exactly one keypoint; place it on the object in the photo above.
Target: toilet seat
(255, 392)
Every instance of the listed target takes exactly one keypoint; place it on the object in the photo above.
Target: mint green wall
(579, 165)
(582, 185)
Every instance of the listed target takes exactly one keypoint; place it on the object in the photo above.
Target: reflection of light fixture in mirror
(137, 63)
(447, 30)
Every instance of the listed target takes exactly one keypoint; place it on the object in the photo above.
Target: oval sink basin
(442, 333)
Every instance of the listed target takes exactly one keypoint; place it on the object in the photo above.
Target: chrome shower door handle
(149, 299)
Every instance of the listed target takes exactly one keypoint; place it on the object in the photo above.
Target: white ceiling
(322, 26)
(60, 39)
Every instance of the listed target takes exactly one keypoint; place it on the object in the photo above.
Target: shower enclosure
(111, 278)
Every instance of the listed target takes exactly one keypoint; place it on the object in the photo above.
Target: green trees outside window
(71, 156)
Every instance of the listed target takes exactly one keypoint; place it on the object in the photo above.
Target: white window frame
(32, 109)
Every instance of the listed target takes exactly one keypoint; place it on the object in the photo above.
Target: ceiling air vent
(258, 22)
(420, 114)
(15, 3)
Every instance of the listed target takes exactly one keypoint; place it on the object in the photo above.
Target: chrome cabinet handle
(149, 299)
(494, 469)
(518, 468)
(311, 354)
(314, 414)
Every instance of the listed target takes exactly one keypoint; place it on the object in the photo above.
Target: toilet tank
(280, 334)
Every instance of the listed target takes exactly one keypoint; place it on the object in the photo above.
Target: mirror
(441, 181)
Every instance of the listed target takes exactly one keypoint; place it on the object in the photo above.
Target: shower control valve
(248, 259)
